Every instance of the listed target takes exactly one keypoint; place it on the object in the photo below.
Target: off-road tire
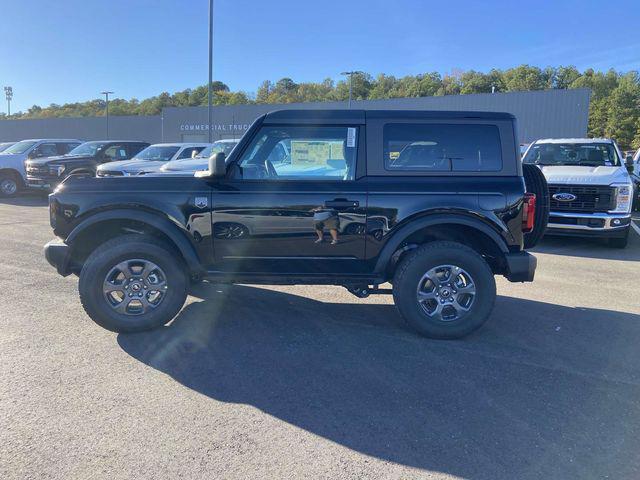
(619, 242)
(127, 247)
(536, 183)
(414, 265)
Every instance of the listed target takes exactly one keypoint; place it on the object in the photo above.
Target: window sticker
(351, 137)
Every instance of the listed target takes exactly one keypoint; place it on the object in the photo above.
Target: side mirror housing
(628, 161)
(217, 165)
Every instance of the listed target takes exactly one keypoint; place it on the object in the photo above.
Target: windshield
(88, 148)
(157, 153)
(583, 154)
(217, 147)
(20, 147)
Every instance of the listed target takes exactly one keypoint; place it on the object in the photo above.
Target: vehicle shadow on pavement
(28, 200)
(589, 248)
(542, 391)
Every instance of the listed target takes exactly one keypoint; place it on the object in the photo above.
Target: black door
(295, 204)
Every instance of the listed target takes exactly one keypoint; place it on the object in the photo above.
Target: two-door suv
(47, 173)
(432, 202)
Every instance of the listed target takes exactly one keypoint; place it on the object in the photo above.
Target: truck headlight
(56, 170)
(623, 198)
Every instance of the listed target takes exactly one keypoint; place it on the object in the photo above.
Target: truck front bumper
(608, 225)
(521, 267)
(58, 254)
(43, 183)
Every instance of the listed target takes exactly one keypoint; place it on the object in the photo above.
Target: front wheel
(133, 283)
(619, 242)
(9, 184)
(444, 290)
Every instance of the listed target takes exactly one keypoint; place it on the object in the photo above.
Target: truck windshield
(20, 147)
(157, 153)
(583, 154)
(88, 148)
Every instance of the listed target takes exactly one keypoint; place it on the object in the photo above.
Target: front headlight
(623, 198)
(56, 170)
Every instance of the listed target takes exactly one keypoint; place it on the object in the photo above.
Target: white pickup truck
(590, 187)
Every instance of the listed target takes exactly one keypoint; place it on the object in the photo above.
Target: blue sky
(69, 50)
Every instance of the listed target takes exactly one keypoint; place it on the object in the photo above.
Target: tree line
(614, 108)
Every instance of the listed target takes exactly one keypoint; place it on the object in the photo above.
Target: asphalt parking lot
(311, 382)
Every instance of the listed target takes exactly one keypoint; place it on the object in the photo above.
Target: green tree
(525, 77)
(624, 110)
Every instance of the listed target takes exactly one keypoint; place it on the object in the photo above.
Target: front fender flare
(431, 220)
(166, 226)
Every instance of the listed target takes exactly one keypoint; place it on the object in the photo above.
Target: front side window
(157, 153)
(46, 150)
(583, 154)
(88, 149)
(189, 152)
(115, 152)
(301, 153)
(442, 148)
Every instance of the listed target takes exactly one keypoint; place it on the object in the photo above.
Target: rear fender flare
(413, 226)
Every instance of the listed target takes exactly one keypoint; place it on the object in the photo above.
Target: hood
(132, 166)
(14, 161)
(189, 165)
(578, 174)
(58, 159)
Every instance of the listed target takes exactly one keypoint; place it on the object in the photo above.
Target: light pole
(209, 116)
(351, 74)
(8, 93)
(106, 95)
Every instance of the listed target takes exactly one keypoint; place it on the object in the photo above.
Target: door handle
(342, 203)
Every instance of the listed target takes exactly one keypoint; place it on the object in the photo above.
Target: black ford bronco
(433, 203)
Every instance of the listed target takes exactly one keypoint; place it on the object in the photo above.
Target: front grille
(588, 198)
(38, 171)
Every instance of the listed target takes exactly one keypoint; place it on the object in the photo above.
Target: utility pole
(8, 93)
(351, 74)
(106, 94)
(209, 112)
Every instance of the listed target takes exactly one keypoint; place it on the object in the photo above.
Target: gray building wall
(143, 128)
(540, 114)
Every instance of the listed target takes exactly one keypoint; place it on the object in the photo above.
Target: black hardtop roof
(354, 115)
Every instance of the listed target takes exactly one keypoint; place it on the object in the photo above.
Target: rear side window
(442, 148)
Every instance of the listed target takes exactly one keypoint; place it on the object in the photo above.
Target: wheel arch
(14, 173)
(466, 230)
(103, 226)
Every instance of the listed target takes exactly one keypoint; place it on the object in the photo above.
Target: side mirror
(217, 165)
(628, 161)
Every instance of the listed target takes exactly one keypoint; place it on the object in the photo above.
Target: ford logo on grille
(564, 197)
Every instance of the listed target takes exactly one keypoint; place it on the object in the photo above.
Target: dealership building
(540, 114)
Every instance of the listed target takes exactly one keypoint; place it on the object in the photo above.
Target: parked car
(200, 162)
(5, 145)
(13, 176)
(590, 187)
(47, 173)
(635, 178)
(447, 227)
(151, 159)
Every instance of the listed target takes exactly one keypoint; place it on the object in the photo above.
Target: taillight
(529, 212)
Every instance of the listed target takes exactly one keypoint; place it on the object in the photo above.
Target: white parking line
(635, 227)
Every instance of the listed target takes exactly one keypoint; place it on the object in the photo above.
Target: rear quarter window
(442, 147)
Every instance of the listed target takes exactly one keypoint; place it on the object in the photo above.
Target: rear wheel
(536, 183)
(9, 184)
(444, 290)
(133, 283)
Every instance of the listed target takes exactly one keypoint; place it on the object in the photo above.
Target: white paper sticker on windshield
(351, 137)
